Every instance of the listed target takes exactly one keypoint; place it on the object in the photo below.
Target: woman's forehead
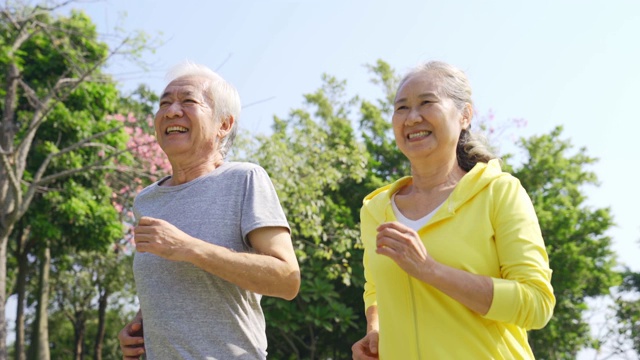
(421, 82)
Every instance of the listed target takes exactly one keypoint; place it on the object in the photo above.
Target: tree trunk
(39, 349)
(21, 284)
(102, 312)
(7, 196)
(3, 292)
(79, 331)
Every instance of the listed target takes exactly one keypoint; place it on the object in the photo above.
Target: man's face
(185, 124)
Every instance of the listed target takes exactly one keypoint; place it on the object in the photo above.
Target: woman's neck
(436, 177)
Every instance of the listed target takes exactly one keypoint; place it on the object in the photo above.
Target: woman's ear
(467, 115)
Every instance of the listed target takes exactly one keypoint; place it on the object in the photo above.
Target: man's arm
(272, 270)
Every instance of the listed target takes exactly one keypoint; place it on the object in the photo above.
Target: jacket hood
(472, 183)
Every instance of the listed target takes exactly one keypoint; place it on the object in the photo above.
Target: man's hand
(161, 238)
(131, 339)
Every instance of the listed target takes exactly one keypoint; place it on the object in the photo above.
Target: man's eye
(401, 108)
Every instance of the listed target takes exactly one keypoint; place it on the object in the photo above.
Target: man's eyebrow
(181, 93)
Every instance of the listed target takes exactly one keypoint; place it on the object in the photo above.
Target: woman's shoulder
(491, 174)
(384, 193)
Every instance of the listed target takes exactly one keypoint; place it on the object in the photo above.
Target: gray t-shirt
(189, 313)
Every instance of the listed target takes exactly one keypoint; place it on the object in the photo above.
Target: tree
(301, 147)
(63, 334)
(47, 60)
(620, 337)
(628, 310)
(575, 234)
(82, 290)
(76, 213)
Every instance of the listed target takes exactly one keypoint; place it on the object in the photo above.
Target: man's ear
(225, 126)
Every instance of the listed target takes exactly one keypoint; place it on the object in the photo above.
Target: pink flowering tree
(151, 165)
(498, 132)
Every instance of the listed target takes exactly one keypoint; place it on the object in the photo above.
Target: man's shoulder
(238, 170)
(242, 167)
(151, 188)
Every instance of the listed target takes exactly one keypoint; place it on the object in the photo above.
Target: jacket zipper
(415, 320)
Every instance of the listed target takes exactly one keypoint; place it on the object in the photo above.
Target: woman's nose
(413, 117)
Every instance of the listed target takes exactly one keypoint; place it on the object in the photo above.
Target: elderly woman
(455, 264)
(211, 238)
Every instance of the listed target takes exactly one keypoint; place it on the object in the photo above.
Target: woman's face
(426, 124)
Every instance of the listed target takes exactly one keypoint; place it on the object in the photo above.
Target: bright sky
(571, 63)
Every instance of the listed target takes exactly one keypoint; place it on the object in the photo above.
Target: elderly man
(211, 238)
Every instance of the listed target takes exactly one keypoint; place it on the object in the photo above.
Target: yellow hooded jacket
(487, 226)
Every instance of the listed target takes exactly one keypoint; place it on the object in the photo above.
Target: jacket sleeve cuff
(503, 307)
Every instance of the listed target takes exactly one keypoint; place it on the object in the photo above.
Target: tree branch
(45, 163)
(48, 104)
(40, 181)
(15, 188)
(33, 99)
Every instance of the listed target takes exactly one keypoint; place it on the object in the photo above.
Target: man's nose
(174, 110)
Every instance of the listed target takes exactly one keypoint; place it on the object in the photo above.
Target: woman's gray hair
(223, 97)
(454, 84)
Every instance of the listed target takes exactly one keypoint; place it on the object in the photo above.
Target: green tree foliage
(62, 337)
(85, 282)
(575, 234)
(627, 308)
(55, 138)
(310, 156)
(386, 163)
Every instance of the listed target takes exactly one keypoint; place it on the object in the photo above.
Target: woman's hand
(367, 347)
(403, 245)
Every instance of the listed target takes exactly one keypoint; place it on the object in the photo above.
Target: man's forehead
(185, 86)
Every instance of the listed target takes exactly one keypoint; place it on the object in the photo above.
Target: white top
(413, 224)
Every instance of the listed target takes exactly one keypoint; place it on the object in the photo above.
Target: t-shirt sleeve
(261, 206)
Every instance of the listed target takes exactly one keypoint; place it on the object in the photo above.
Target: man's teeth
(418, 134)
(179, 129)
